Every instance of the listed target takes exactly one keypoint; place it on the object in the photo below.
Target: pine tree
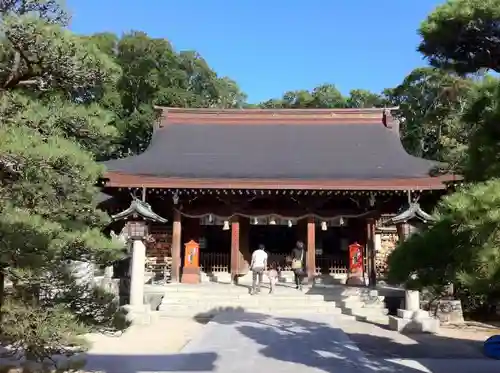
(51, 133)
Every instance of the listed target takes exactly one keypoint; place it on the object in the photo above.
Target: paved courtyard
(249, 342)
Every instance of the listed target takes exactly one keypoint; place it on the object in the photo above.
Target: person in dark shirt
(298, 257)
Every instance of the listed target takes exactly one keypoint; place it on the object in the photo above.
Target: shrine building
(232, 179)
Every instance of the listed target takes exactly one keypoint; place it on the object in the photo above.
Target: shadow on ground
(196, 362)
(346, 346)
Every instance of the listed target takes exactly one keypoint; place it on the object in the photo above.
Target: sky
(272, 46)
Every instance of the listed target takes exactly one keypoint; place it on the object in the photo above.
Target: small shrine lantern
(410, 221)
(137, 215)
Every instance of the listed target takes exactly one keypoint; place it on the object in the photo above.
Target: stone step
(317, 289)
(367, 311)
(178, 310)
(251, 301)
(373, 319)
(358, 303)
(264, 294)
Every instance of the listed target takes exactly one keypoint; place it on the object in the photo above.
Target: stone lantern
(137, 216)
(410, 220)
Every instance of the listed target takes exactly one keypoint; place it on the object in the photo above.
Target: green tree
(322, 97)
(362, 98)
(461, 248)
(481, 121)
(51, 133)
(431, 103)
(463, 36)
(153, 73)
(327, 96)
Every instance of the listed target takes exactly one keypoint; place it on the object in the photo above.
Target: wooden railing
(331, 265)
(221, 262)
(215, 262)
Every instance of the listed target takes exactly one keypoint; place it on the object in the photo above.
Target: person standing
(258, 265)
(298, 255)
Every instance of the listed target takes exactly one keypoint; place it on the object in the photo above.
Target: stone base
(413, 322)
(137, 315)
(191, 276)
(448, 311)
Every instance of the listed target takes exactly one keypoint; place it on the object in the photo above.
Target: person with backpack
(298, 256)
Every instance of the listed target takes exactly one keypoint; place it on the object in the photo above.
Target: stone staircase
(209, 298)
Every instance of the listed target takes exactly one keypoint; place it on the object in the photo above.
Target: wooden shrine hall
(229, 180)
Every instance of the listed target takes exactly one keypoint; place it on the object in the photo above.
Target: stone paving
(307, 344)
(238, 342)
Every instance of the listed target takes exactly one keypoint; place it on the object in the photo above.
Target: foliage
(153, 73)
(431, 103)
(481, 118)
(325, 96)
(463, 36)
(461, 248)
(362, 98)
(51, 131)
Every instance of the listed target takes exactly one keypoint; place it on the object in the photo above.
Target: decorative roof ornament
(139, 210)
(413, 212)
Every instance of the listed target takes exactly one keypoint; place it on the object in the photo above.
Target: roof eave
(121, 180)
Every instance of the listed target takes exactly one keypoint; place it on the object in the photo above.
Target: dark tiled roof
(351, 150)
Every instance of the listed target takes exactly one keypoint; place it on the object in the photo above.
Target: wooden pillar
(176, 247)
(311, 249)
(235, 248)
(245, 254)
(370, 251)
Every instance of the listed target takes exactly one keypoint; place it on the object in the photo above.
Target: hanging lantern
(324, 227)
(210, 219)
(341, 221)
(137, 230)
(272, 221)
(255, 221)
(226, 227)
(290, 224)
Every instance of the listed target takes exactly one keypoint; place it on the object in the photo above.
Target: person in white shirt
(258, 266)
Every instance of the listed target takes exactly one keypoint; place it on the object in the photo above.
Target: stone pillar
(311, 249)
(235, 248)
(412, 300)
(176, 247)
(108, 272)
(137, 273)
